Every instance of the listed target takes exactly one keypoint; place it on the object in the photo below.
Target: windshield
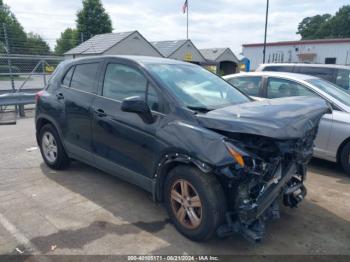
(333, 90)
(196, 87)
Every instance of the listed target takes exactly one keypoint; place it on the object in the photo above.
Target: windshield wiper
(200, 109)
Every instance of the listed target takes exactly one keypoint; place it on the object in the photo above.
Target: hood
(282, 118)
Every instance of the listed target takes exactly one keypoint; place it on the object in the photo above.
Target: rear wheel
(195, 202)
(345, 158)
(51, 148)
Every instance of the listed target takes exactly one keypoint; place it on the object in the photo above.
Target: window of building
(330, 60)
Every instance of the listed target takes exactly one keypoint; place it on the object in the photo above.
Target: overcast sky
(215, 23)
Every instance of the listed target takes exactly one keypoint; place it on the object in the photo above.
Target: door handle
(100, 112)
(59, 96)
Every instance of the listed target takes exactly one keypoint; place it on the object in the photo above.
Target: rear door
(78, 92)
(278, 87)
(123, 143)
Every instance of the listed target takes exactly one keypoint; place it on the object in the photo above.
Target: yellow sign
(49, 69)
(188, 57)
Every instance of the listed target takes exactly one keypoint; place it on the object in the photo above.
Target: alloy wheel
(49, 147)
(186, 204)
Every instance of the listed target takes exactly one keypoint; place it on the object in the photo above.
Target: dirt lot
(85, 211)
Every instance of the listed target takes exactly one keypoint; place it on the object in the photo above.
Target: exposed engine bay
(273, 172)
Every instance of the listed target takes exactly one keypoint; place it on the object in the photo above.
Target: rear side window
(247, 85)
(325, 73)
(68, 77)
(342, 78)
(279, 69)
(84, 77)
(278, 87)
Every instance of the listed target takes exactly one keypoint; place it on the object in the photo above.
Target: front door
(123, 143)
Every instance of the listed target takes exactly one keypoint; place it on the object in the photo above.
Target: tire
(345, 158)
(58, 160)
(211, 198)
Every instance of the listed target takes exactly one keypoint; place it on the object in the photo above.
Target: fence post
(8, 51)
(43, 68)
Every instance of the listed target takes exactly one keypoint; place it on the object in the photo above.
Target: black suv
(219, 162)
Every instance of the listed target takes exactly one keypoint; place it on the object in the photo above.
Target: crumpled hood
(282, 118)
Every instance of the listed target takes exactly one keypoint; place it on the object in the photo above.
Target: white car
(333, 139)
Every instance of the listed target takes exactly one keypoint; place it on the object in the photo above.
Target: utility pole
(188, 7)
(266, 21)
(81, 37)
(8, 51)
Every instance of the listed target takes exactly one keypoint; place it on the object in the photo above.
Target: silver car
(333, 139)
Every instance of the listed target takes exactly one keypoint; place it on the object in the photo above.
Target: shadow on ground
(309, 229)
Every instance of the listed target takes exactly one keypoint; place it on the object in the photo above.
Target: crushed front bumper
(249, 219)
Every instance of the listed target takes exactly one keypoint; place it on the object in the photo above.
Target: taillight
(38, 95)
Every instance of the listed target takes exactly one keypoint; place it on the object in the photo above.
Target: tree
(311, 27)
(17, 38)
(67, 41)
(93, 19)
(36, 45)
(326, 26)
(340, 23)
(19, 41)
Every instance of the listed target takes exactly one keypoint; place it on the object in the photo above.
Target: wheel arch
(44, 120)
(169, 162)
(340, 148)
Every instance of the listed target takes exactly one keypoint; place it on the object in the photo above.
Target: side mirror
(137, 105)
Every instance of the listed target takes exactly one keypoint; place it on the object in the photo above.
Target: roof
(307, 65)
(292, 76)
(137, 59)
(98, 44)
(212, 53)
(301, 42)
(167, 48)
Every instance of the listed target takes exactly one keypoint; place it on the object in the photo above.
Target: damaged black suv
(219, 162)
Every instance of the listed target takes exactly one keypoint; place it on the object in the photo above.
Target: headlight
(246, 160)
(235, 153)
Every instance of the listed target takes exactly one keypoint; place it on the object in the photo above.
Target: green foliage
(19, 41)
(326, 26)
(67, 41)
(93, 19)
(37, 45)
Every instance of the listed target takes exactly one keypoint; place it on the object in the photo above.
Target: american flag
(185, 6)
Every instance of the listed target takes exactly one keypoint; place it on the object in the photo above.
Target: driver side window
(123, 81)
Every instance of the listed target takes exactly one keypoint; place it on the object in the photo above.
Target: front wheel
(345, 158)
(195, 202)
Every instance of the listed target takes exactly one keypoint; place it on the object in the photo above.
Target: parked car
(337, 74)
(218, 161)
(333, 140)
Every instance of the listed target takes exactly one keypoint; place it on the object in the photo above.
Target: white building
(124, 43)
(323, 51)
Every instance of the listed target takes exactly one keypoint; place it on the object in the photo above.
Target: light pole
(266, 20)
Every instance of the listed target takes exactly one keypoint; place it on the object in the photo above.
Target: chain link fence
(21, 76)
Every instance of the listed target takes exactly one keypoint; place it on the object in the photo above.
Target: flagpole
(188, 5)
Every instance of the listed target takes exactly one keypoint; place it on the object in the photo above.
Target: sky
(216, 23)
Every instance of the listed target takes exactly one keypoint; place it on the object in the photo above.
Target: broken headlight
(248, 161)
